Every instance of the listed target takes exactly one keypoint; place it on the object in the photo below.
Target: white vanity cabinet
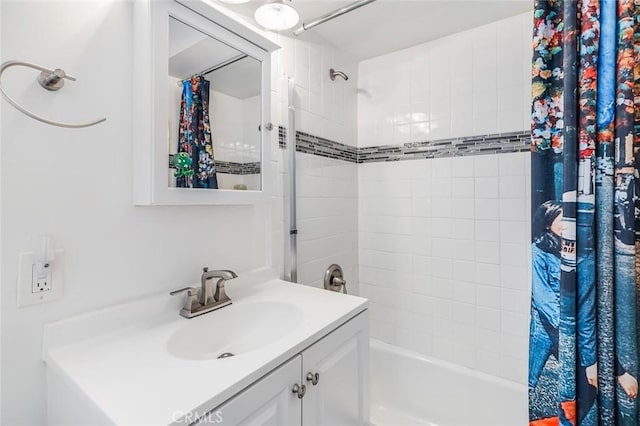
(340, 396)
(269, 402)
(338, 364)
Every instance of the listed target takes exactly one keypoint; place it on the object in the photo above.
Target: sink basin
(234, 330)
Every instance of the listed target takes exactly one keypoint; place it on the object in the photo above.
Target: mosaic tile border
(499, 143)
(282, 137)
(315, 145)
(232, 168)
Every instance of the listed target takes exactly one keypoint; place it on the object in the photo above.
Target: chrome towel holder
(52, 80)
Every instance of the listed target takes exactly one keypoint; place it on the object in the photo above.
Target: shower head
(333, 73)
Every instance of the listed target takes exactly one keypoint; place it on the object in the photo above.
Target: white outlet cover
(39, 284)
(26, 296)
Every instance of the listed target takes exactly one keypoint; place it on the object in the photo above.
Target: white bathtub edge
(380, 345)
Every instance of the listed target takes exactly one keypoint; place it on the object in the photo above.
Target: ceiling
(388, 25)
(192, 52)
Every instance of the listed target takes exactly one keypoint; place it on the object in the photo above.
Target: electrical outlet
(41, 281)
(35, 286)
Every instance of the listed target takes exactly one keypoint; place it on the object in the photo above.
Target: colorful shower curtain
(583, 353)
(195, 137)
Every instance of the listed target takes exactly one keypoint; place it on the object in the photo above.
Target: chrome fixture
(334, 279)
(291, 255)
(331, 15)
(314, 378)
(299, 390)
(215, 67)
(277, 15)
(202, 300)
(51, 80)
(333, 74)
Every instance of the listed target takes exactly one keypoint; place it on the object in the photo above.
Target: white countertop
(118, 358)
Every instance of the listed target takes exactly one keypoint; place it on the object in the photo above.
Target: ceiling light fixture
(276, 15)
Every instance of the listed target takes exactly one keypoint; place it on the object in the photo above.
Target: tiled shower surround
(444, 258)
(443, 243)
(439, 244)
(327, 204)
(327, 190)
(443, 246)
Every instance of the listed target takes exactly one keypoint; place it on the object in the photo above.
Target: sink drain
(225, 355)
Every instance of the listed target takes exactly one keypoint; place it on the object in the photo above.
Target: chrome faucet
(224, 274)
(202, 300)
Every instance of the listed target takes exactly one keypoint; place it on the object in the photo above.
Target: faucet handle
(191, 302)
(189, 291)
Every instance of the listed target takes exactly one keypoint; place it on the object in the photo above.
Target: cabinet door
(268, 402)
(341, 361)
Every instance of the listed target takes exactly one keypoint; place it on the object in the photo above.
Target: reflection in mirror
(214, 113)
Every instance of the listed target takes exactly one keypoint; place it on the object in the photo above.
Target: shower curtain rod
(217, 67)
(331, 15)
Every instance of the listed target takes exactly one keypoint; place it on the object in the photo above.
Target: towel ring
(50, 80)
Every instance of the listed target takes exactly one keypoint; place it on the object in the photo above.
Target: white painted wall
(444, 243)
(77, 186)
(471, 83)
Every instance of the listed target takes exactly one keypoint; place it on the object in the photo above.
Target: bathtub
(409, 389)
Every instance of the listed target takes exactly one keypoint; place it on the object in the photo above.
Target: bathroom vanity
(280, 354)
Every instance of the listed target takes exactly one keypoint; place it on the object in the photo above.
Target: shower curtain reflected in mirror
(583, 362)
(194, 163)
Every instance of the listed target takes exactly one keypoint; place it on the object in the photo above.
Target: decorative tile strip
(315, 145)
(499, 143)
(282, 137)
(231, 168)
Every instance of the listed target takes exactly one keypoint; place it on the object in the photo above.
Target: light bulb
(277, 16)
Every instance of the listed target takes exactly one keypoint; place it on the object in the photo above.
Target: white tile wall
(327, 219)
(326, 189)
(444, 255)
(471, 83)
(323, 107)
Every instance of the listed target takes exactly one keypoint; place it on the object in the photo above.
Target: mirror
(203, 86)
(215, 107)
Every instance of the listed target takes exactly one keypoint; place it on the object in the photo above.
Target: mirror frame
(150, 101)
